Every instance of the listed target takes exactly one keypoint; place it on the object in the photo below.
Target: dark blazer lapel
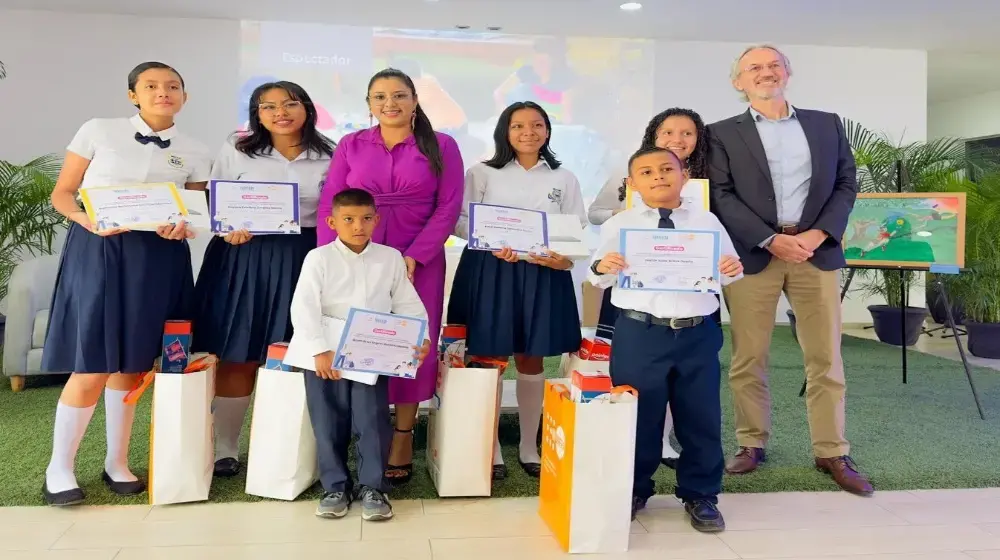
(815, 199)
(748, 131)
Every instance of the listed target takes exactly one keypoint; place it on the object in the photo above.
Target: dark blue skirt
(112, 296)
(607, 317)
(514, 308)
(244, 294)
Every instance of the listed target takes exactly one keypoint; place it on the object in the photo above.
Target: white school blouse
(334, 279)
(118, 159)
(606, 202)
(665, 305)
(554, 191)
(308, 170)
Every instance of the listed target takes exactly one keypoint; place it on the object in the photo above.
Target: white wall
(66, 68)
(968, 117)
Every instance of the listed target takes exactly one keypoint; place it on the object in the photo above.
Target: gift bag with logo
(181, 455)
(460, 429)
(588, 456)
(282, 461)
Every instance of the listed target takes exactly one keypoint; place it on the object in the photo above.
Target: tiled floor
(933, 344)
(924, 525)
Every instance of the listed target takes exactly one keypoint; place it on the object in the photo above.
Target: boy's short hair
(651, 150)
(353, 197)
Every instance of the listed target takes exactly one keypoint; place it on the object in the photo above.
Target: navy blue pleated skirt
(112, 296)
(607, 317)
(244, 294)
(514, 308)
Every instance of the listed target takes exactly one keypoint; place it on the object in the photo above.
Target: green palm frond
(28, 222)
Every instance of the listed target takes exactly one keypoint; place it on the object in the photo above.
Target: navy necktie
(665, 221)
(154, 139)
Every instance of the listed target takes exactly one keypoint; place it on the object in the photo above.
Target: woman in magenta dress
(417, 177)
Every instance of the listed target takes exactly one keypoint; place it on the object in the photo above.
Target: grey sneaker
(334, 505)
(375, 505)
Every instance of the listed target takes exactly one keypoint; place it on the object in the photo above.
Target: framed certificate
(380, 344)
(261, 208)
(139, 207)
(494, 227)
(671, 260)
(694, 194)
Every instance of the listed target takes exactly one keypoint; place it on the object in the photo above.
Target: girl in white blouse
(524, 308)
(115, 289)
(681, 131)
(246, 282)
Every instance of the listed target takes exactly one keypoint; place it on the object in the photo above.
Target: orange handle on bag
(141, 385)
(624, 389)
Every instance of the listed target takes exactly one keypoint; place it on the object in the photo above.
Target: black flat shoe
(227, 467)
(499, 472)
(669, 462)
(130, 488)
(64, 498)
(534, 470)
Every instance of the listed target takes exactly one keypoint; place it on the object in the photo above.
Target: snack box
(585, 387)
(176, 346)
(276, 356)
(595, 349)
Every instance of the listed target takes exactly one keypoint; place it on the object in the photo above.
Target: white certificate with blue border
(380, 344)
(261, 208)
(491, 228)
(671, 260)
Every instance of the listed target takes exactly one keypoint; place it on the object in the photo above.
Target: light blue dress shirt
(789, 160)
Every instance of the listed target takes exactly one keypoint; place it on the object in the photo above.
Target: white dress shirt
(308, 170)
(334, 279)
(553, 191)
(117, 159)
(665, 305)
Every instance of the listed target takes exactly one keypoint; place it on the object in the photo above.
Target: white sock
(229, 414)
(119, 417)
(668, 450)
(530, 392)
(497, 452)
(71, 424)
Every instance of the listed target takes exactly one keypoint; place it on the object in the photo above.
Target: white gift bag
(573, 362)
(181, 456)
(460, 431)
(588, 457)
(282, 461)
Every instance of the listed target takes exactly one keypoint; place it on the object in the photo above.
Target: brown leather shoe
(845, 473)
(747, 460)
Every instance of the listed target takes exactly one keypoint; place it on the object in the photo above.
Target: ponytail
(622, 190)
(427, 141)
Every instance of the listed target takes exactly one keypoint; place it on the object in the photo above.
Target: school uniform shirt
(308, 170)
(118, 159)
(334, 279)
(606, 202)
(665, 305)
(554, 191)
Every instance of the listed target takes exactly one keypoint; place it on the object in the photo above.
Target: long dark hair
(696, 163)
(259, 142)
(504, 152)
(423, 132)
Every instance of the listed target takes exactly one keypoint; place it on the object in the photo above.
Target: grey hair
(735, 70)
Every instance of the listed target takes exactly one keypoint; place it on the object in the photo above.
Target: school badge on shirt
(556, 195)
(175, 161)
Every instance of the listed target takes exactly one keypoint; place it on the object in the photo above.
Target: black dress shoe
(705, 516)
(227, 467)
(638, 504)
(499, 472)
(129, 488)
(65, 498)
(669, 462)
(534, 470)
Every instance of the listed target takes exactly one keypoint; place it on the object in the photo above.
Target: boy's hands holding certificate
(324, 366)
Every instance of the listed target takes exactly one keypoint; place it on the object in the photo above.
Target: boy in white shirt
(350, 272)
(666, 344)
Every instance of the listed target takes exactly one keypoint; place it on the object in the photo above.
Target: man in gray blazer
(783, 183)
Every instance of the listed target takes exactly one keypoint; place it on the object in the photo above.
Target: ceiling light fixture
(461, 26)
(631, 6)
(493, 28)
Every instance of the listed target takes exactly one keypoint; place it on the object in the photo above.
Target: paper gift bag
(460, 429)
(588, 455)
(282, 461)
(181, 456)
(592, 358)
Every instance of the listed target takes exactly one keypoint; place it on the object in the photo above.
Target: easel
(904, 296)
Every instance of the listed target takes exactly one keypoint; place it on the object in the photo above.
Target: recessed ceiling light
(493, 28)
(461, 26)
(631, 6)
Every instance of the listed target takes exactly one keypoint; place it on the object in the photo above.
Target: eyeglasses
(756, 68)
(288, 106)
(381, 98)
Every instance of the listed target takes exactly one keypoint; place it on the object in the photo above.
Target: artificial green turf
(926, 434)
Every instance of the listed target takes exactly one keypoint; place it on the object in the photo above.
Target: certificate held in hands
(260, 208)
(380, 344)
(491, 228)
(142, 207)
(673, 260)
